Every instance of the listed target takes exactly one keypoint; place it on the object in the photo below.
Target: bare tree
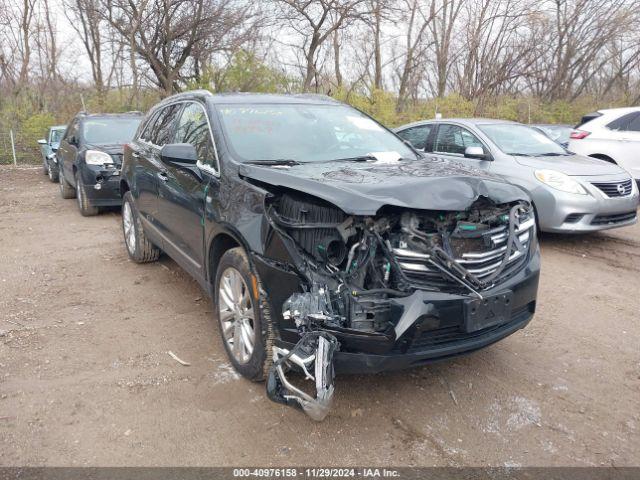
(442, 28)
(16, 30)
(493, 48)
(572, 39)
(420, 15)
(315, 21)
(86, 18)
(166, 33)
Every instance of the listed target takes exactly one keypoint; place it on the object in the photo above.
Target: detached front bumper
(102, 185)
(437, 336)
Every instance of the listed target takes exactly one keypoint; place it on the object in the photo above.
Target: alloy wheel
(79, 192)
(235, 308)
(129, 229)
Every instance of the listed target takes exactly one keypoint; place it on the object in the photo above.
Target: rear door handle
(163, 176)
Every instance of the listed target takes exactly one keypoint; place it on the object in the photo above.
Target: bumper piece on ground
(314, 351)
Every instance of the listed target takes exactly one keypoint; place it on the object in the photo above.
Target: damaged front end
(367, 279)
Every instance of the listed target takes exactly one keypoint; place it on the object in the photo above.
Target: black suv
(300, 214)
(90, 157)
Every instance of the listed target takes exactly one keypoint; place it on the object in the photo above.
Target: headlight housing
(560, 181)
(94, 157)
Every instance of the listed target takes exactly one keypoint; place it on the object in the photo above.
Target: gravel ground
(85, 378)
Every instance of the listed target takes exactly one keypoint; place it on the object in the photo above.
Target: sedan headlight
(560, 181)
(94, 157)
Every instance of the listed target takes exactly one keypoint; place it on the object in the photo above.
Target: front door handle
(163, 176)
(135, 154)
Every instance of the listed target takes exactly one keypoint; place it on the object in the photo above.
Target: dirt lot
(85, 378)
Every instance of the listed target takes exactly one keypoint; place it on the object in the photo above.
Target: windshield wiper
(520, 154)
(552, 154)
(361, 158)
(278, 161)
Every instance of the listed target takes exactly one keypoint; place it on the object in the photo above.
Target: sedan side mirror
(180, 153)
(476, 152)
(42, 141)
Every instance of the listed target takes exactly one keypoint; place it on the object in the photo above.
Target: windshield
(56, 135)
(110, 130)
(557, 133)
(514, 139)
(307, 133)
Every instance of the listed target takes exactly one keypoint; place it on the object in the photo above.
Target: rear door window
(416, 136)
(634, 125)
(623, 122)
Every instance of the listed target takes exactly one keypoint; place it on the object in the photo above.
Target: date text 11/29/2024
(316, 472)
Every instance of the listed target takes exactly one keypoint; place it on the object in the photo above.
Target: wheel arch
(218, 245)
(124, 187)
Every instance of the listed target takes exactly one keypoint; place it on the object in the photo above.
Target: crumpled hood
(111, 148)
(362, 188)
(571, 165)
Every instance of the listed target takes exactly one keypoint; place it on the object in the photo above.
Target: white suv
(612, 135)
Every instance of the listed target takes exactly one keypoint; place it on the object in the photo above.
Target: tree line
(398, 58)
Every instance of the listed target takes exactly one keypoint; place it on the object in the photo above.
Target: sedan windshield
(295, 133)
(110, 130)
(557, 133)
(514, 139)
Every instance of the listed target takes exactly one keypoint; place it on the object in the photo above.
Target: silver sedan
(571, 193)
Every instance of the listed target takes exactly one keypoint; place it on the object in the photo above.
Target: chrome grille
(614, 189)
(417, 268)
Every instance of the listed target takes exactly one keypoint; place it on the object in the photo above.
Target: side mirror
(72, 140)
(42, 141)
(476, 152)
(180, 153)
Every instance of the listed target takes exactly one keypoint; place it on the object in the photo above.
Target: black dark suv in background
(315, 229)
(90, 156)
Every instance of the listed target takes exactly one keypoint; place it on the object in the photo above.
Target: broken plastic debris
(314, 352)
(175, 357)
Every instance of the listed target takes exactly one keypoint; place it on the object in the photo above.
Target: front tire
(84, 205)
(66, 190)
(139, 248)
(243, 316)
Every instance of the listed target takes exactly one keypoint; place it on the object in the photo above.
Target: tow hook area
(313, 353)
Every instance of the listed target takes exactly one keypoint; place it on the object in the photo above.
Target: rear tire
(53, 174)
(84, 205)
(255, 364)
(66, 190)
(139, 248)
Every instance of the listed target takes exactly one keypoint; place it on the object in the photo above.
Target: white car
(612, 135)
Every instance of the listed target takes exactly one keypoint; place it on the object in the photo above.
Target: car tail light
(579, 134)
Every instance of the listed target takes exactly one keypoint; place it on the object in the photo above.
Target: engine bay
(355, 264)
